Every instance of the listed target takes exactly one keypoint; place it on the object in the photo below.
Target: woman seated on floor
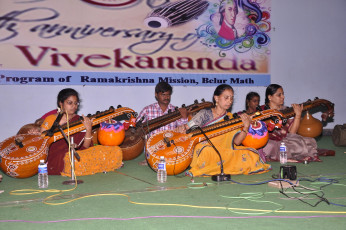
(299, 149)
(93, 159)
(236, 159)
(68, 102)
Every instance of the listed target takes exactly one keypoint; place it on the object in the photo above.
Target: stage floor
(131, 198)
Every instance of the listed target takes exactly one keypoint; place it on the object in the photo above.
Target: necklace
(278, 107)
(218, 114)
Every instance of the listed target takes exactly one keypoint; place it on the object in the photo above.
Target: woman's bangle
(244, 131)
(88, 138)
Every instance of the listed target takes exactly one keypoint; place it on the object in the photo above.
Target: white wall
(308, 60)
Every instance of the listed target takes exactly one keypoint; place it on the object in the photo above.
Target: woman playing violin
(68, 103)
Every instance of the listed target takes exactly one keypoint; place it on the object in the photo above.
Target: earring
(59, 110)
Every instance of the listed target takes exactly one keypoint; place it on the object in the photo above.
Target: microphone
(167, 141)
(189, 130)
(19, 143)
(50, 132)
(192, 128)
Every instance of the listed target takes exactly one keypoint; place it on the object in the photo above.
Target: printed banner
(135, 42)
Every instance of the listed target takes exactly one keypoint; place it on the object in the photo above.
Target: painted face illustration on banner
(230, 12)
(237, 26)
(230, 20)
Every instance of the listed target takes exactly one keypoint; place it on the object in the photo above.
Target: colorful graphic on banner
(134, 42)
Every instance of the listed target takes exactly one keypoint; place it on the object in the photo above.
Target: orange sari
(236, 159)
(93, 160)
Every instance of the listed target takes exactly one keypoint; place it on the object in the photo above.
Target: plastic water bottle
(42, 175)
(283, 154)
(161, 170)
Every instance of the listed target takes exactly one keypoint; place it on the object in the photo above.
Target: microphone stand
(218, 177)
(67, 140)
(73, 155)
